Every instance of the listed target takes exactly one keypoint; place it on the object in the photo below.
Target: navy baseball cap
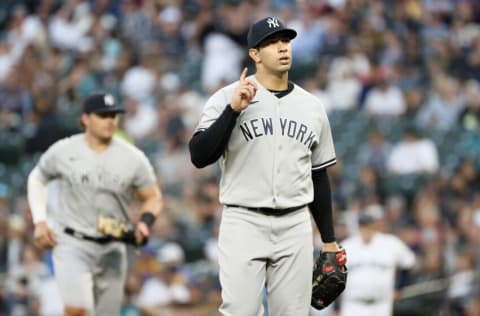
(370, 215)
(266, 27)
(101, 103)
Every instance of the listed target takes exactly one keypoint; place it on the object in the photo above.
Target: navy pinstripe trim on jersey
(325, 164)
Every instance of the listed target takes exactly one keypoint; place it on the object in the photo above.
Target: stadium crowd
(400, 80)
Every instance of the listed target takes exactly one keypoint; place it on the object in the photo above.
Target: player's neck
(96, 144)
(271, 81)
(367, 234)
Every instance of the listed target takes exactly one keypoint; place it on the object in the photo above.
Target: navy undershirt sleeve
(208, 145)
(321, 206)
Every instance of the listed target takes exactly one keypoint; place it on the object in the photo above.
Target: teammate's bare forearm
(321, 206)
(151, 199)
(151, 207)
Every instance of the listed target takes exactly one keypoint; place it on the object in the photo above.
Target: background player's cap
(266, 27)
(101, 103)
(370, 215)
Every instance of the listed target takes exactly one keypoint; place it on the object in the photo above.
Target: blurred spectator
(318, 86)
(4, 241)
(23, 30)
(443, 107)
(334, 40)
(384, 98)
(392, 52)
(80, 82)
(430, 268)
(367, 187)
(140, 80)
(140, 119)
(133, 286)
(463, 282)
(169, 32)
(170, 285)
(378, 255)
(310, 33)
(414, 99)
(24, 283)
(16, 241)
(202, 222)
(413, 154)
(15, 101)
(461, 188)
(343, 87)
(229, 34)
(396, 213)
(171, 165)
(69, 27)
(46, 125)
(6, 60)
(427, 217)
(470, 116)
(375, 152)
(135, 23)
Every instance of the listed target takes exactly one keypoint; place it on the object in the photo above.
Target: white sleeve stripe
(199, 130)
(325, 164)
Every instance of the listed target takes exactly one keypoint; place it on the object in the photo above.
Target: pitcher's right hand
(244, 93)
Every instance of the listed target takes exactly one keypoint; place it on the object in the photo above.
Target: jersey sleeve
(48, 163)
(405, 256)
(144, 173)
(213, 109)
(323, 153)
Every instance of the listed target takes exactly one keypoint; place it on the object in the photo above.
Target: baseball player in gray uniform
(97, 175)
(274, 143)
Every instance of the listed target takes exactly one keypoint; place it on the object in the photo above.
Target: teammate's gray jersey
(92, 183)
(274, 141)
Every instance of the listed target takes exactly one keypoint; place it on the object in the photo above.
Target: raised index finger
(243, 75)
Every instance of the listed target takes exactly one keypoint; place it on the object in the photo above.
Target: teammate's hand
(43, 236)
(330, 247)
(244, 93)
(141, 233)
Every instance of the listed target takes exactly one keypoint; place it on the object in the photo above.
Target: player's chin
(106, 137)
(284, 68)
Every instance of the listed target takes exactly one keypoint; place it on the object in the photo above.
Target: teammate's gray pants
(90, 275)
(255, 250)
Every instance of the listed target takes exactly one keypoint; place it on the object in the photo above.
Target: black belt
(268, 210)
(100, 240)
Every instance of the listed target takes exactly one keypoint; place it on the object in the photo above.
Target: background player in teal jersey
(97, 175)
(274, 144)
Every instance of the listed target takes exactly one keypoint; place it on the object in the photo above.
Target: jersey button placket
(278, 148)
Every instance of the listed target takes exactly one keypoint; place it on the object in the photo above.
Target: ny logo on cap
(273, 22)
(108, 100)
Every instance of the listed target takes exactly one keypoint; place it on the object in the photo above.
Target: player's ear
(82, 123)
(253, 53)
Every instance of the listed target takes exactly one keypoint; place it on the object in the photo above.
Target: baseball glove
(329, 278)
(118, 230)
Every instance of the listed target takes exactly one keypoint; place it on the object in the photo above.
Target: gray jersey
(279, 141)
(92, 183)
